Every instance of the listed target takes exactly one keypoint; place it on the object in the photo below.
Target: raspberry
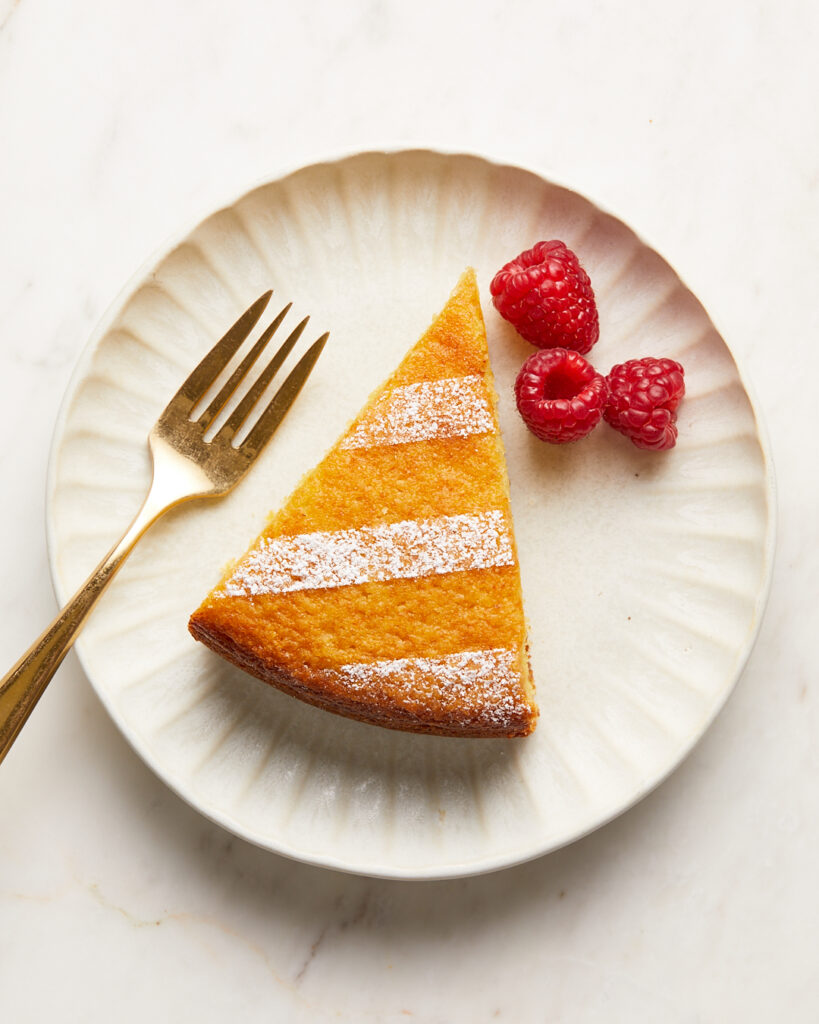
(547, 297)
(560, 395)
(643, 399)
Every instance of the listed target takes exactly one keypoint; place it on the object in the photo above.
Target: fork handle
(23, 686)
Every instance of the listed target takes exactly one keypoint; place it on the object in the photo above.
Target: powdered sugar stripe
(486, 683)
(372, 554)
(452, 407)
(463, 667)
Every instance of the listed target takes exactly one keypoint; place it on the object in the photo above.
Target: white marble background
(694, 122)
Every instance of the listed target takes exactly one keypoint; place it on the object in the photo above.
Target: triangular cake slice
(387, 588)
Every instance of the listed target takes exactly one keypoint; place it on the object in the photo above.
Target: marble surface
(120, 123)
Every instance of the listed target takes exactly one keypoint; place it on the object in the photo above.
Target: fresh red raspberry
(560, 395)
(547, 297)
(643, 399)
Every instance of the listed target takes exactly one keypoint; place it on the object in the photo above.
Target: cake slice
(387, 588)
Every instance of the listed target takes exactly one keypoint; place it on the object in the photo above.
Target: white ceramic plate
(644, 576)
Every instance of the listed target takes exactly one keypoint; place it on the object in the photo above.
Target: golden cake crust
(322, 690)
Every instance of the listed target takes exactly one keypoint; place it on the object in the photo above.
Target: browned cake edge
(323, 694)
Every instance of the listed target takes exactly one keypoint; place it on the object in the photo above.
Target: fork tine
(215, 407)
(240, 413)
(217, 359)
(278, 406)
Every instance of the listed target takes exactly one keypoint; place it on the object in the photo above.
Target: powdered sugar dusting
(452, 407)
(484, 684)
(403, 550)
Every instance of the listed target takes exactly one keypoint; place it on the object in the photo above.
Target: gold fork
(185, 466)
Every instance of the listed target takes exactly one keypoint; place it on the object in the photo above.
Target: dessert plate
(644, 576)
